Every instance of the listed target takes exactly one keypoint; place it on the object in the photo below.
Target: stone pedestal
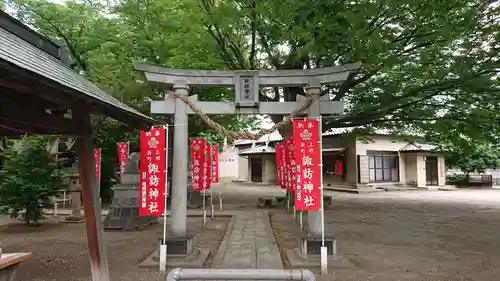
(124, 211)
(308, 253)
(310, 245)
(181, 252)
(76, 202)
(179, 246)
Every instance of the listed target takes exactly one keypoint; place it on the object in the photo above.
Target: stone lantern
(124, 209)
(75, 189)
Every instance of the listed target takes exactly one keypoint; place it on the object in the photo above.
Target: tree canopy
(104, 39)
(422, 61)
(426, 65)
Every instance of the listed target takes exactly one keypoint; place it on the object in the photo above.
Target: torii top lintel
(261, 78)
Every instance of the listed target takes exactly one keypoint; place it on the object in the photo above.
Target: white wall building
(234, 166)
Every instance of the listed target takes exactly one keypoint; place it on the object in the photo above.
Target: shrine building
(350, 162)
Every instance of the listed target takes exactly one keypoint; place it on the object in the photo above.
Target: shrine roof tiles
(258, 150)
(414, 147)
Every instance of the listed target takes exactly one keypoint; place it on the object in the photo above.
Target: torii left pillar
(179, 164)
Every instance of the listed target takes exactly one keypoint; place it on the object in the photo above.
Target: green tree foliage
(426, 65)
(477, 157)
(104, 39)
(29, 179)
(469, 154)
(422, 61)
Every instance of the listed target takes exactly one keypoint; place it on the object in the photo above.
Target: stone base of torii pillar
(182, 251)
(308, 252)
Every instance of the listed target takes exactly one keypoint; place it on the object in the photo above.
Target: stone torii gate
(247, 84)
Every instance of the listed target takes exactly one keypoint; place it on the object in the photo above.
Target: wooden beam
(8, 132)
(24, 82)
(91, 200)
(11, 129)
(12, 96)
(25, 128)
(30, 118)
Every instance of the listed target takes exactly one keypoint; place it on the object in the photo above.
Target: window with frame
(383, 166)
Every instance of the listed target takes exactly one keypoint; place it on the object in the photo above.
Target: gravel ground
(61, 253)
(387, 236)
(408, 236)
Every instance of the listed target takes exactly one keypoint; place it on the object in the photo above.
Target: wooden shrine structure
(38, 91)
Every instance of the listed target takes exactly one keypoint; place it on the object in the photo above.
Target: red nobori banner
(198, 161)
(287, 172)
(278, 164)
(207, 175)
(97, 159)
(308, 157)
(339, 168)
(291, 164)
(215, 163)
(283, 165)
(153, 172)
(123, 153)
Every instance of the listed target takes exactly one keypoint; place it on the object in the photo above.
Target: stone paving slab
(249, 243)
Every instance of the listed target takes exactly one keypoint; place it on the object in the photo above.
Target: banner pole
(128, 155)
(204, 187)
(128, 148)
(211, 203)
(324, 252)
(288, 201)
(220, 202)
(222, 171)
(98, 173)
(211, 191)
(301, 221)
(163, 246)
(204, 209)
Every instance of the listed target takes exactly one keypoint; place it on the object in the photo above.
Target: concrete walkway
(249, 243)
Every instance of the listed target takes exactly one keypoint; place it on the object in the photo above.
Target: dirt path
(61, 252)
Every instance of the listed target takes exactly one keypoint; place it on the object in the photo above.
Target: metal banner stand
(204, 209)
(288, 201)
(324, 251)
(301, 221)
(207, 155)
(163, 246)
(222, 170)
(212, 215)
(220, 202)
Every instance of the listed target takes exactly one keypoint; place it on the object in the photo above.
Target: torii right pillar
(309, 251)
(314, 218)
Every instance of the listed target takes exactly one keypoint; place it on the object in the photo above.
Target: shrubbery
(29, 179)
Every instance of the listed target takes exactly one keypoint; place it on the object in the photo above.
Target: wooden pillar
(91, 202)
